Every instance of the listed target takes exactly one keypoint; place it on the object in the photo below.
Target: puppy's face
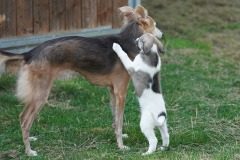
(146, 43)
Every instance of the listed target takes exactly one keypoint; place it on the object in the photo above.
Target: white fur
(151, 103)
(157, 33)
(31, 153)
(33, 138)
(24, 87)
(2, 64)
(138, 63)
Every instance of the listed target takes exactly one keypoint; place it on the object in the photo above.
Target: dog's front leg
(120, 101)
(119, 88)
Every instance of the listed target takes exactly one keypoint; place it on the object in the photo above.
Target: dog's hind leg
(38, 87)
(113, 105)
(165, 136)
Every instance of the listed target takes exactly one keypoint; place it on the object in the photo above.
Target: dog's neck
(128, 35)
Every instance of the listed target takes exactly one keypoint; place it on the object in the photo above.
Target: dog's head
(2, 19)
(146, 43)
(140, 15)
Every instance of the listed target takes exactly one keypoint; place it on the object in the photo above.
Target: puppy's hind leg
(165, 136)
(148, 131)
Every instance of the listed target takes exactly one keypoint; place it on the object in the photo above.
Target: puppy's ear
(159, 45)
(147, 46)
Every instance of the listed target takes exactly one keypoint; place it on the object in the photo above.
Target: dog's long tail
(161, 118)
(5, 56)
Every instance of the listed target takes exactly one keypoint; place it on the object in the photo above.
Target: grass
(201, 90)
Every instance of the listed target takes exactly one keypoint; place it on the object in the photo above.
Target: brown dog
(91, 57)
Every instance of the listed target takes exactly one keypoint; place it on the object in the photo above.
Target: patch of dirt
(225, 43)
(9, 154)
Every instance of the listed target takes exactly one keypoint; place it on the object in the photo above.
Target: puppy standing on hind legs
(144, 71)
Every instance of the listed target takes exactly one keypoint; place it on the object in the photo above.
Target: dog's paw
(146, 153)
(31, 153)
(123, 147)
(116, 47)
(124, 135)
(164, 148)
(32, 138)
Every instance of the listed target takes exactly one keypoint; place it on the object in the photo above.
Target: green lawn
(201, 87)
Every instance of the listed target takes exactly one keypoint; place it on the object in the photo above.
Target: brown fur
(2, 19)
(91, 57)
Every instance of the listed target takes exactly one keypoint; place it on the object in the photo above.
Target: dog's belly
(118, 75)
(76, 53)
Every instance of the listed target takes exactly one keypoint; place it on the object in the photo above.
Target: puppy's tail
(5, 56)
(161, 118)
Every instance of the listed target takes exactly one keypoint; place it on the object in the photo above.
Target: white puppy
(144, 71)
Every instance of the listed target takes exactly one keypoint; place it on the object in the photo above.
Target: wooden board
(116, 18)
(41, 16)
(73, 14)
(27, 17)
(105, 11)
(89, 13)
(57, 15)
(24, 17)
(8, 8)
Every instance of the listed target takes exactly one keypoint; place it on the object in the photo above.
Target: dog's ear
(126, 13)
(140, 10)
(159, 45)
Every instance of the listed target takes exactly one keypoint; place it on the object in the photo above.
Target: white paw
(32, 138)
(164, 148)
(124, 147)
(31, 153)
(124, 135)
(116, 46)
(146, 153)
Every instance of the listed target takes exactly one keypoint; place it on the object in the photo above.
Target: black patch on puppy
(162, 114)
(156, 87)
(150, 58)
